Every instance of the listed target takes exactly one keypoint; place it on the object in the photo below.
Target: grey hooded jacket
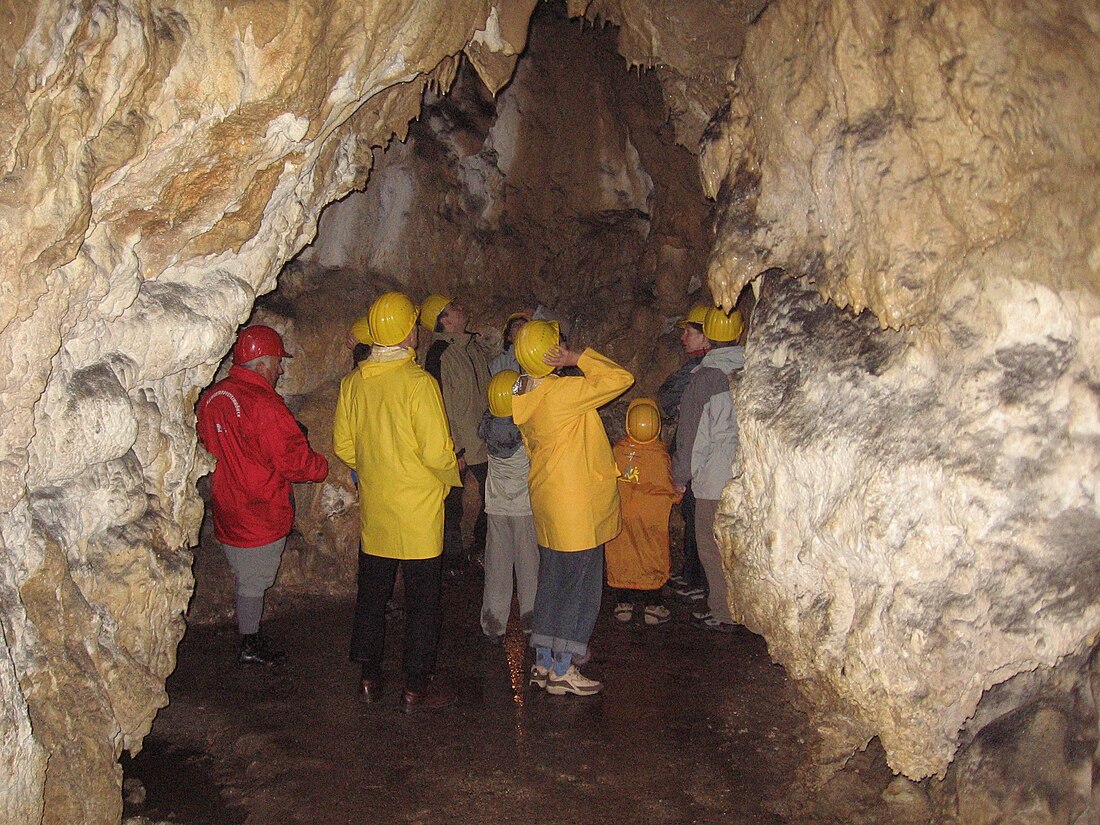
(706, 440)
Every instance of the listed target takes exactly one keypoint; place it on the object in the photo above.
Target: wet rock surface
(693, 727)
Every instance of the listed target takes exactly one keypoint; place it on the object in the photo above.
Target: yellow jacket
(573, 490)
(391, 429)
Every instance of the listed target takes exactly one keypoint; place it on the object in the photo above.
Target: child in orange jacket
(638, 558)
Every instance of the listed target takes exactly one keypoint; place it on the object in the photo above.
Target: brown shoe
(370, 691)
(432, 698)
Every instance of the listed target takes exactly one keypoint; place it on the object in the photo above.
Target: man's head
(513, 325)
(692, 338)
(269, 366)
(452, 318)
(260, 349)
(432, 311)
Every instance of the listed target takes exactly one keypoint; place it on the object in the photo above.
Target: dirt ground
(693, 727)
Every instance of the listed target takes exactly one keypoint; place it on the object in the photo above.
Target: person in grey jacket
(706, 442)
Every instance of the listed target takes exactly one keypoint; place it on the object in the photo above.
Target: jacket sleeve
(604, 380)
(433, 438)
(343, 444)
(672, 390)
(691, 410)
(288, 448)
(658, 481)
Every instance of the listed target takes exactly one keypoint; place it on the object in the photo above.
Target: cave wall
(160, 164)
(914, 519)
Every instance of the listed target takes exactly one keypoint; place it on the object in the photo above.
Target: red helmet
(257, 341)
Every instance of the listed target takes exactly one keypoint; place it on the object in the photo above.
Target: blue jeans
(567, 602)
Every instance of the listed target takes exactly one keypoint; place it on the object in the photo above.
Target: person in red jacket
(260, 449)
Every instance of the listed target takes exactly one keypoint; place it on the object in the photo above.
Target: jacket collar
(726, 359)
(247, 376)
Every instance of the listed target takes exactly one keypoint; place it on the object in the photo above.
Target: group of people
(559, 503)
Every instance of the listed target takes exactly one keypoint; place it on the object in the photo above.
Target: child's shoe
(624, 611)
(656, 614)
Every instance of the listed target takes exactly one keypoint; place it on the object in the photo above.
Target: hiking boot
(256, 650)
(572, 682)
(432, 697)
(539, 676)
(624, 611)
(656, 614)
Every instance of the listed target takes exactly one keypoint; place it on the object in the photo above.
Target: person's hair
(439, 320)
(262, 360)
(509, 331)
(360, 353)
(694, 326)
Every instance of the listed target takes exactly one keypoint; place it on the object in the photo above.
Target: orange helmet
(256, 342)
(643, 420)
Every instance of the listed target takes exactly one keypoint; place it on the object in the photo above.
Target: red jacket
(260, 449)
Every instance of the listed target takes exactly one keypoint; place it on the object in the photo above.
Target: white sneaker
(656, 614)
(539, 676)
(572, 682)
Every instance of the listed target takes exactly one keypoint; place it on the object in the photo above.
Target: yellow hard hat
(392, 317)
(533, 342)
(722, 327)
(360, 331)
(695, 316)
(643, 420)
(430, 309)
(500, 392)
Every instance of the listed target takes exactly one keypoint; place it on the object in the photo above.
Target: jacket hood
(727, 359)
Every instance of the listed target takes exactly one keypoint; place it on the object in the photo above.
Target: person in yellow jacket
(638, 558)
(391, 429)
(573, 496)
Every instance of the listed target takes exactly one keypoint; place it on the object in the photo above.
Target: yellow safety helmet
(722, 327)
(515, 316)
(430, 310)
(360, 331)
(643, 420)
(696, 316)
(392, 317)
(500, 393)
(533, 342)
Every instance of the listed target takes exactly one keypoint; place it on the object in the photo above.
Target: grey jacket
(706, 440)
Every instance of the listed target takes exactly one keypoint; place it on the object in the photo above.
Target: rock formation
(914, 519)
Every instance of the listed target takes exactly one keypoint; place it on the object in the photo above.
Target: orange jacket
(638, 558)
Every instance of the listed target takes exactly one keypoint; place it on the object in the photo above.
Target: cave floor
(692, 727)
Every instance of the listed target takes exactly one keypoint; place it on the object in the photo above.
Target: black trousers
(692, 570)
(423, 617)
(452, 515)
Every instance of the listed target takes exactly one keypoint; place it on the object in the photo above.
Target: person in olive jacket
(574, 496)
(390, 428)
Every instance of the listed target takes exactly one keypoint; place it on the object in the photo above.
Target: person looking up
(457, 361)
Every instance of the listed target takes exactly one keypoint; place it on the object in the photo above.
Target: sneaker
(656, 614)
(539, 675)
(677, 581)
(700, 615)
(572, 682)
(709, 622)
(624, 611)
(687, 592)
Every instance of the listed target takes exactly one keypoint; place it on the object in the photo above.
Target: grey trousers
(255, 569)
(510, 545)
(711, 557)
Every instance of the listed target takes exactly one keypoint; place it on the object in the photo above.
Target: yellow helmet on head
(721, 326)
(500, 393)
(534, 340)
(643, 420)
(360, 331)
(392, 317)
(430, 310)
(697, 315)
